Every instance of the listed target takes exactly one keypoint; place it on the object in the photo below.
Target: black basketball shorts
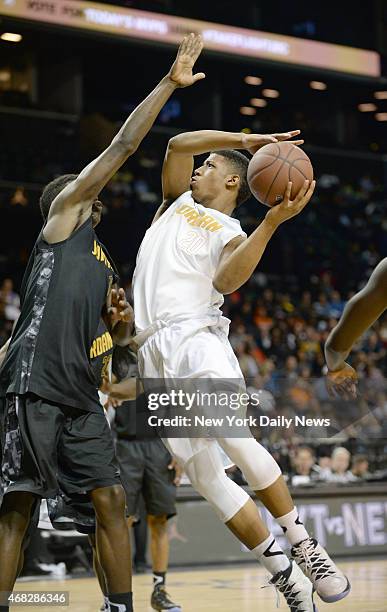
(47, 448)
(144, 469)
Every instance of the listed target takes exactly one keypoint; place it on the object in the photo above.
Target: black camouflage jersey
(63, 294)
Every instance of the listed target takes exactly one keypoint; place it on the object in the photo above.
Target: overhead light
(11, 37)
(5, 76)
(367, 107)
(247, 110)
(380, 95)
(258, 102)
(381, 116)
(270, 93)
(253, 80)
(318, 85)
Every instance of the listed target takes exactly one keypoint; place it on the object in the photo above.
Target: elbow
(127, 146)
(175, 143)
(222, 286)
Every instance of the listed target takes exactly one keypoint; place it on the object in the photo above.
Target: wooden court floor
(228, 589)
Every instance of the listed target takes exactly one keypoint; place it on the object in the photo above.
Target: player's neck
(222, 204)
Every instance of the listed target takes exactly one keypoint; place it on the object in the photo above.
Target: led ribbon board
(118, 21)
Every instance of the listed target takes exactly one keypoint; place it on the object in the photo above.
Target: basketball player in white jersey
(193, 253)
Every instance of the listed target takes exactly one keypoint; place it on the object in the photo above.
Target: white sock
(292, 527)
(271, 556)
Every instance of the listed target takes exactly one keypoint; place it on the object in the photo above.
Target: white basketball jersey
(177, 261)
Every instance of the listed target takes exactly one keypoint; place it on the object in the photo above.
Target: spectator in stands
(305, 468)
(324, 463)
(360, 466)
(10, 300)
(339, 472)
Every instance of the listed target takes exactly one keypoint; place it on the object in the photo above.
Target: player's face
(210, 180)
(96, 212)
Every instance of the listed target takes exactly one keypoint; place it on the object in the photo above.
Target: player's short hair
(51, 190)
(239, 164)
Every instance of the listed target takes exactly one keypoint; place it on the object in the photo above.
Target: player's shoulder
(169, 206)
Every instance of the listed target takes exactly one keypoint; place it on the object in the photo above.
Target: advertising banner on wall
(132, 23)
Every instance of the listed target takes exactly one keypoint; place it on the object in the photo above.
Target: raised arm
(73, 204)
(179, 157)
(362, 310)
(241, 256)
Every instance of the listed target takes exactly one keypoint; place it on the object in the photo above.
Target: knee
(109, 503)
(157, 524)
(15, 512)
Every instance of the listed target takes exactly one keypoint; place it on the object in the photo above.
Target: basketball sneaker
(329, 582)
(296, 588)
(160, 600)
(105, 606)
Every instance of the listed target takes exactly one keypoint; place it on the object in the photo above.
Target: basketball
(273, 166)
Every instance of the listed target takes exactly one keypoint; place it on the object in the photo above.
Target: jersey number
(192, 242)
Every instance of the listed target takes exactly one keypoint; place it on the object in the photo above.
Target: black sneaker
(160, 601)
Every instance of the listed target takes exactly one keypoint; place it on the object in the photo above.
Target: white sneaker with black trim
(296, 588)
(329, 582)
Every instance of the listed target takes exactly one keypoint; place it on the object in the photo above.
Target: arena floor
(229, 589)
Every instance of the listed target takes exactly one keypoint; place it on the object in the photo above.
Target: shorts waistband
(207, 321)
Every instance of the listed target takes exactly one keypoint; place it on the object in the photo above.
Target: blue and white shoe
(329, 582)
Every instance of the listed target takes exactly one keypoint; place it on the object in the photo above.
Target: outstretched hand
(253, 142)
(181, 73)
(290, 208)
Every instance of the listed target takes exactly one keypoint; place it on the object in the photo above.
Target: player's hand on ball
(120, 309)
(253, 142)
(290, 208)
(181, 72)
(343, 382)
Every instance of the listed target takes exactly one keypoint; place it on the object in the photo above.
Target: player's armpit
(161, 209)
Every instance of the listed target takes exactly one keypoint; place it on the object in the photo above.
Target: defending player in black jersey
(53, 422)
